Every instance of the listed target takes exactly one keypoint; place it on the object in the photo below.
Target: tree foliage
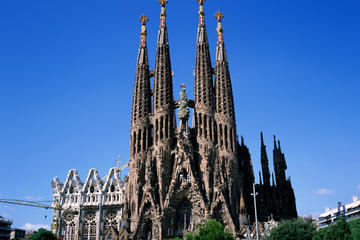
(299, 229)
(355, 229)
(43, 234)
(304, 229)
(211, 230)
(339, 230)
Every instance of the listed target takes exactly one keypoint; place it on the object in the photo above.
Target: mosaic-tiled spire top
(220, 50)
(163, 36)
(143, 56)
(202, 36)
(223, 89)
(143, 19)
(141, 106)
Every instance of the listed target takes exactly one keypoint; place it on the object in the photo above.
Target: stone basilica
(179, 176)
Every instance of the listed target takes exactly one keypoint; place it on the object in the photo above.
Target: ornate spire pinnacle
(219, 28)
(220, 50)
(260, 177)
(262, 139)
(143, 19)
(201, 12)
(242, 141)
(163, 12)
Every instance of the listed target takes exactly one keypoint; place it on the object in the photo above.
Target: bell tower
(163, 109)
(140, 132)
(204, 104)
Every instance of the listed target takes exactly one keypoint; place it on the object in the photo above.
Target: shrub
(299, 229)
(212, 230)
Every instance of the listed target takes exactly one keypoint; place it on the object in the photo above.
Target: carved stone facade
(181, 176)
(90, 210)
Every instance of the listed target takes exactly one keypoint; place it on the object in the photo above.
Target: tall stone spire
(204, 103)
(140, 125)
(223, 94)
(203, 90)
(226, 128)
(264, 163)
(163, 101)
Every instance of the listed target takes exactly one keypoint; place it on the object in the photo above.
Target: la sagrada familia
(179, 176)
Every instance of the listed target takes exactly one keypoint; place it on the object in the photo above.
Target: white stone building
(349, 211)
(88, 210)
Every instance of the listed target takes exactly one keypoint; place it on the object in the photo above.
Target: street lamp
(256, 221)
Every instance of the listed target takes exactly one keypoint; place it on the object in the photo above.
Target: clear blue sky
(67, 71)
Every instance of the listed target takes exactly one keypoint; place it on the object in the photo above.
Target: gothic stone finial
(183, 85)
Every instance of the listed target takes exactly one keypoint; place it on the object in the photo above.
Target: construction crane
(39, 204)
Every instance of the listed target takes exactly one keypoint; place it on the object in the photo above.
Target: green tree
(212, 230)
(299, 229)
(320, 234)
(355, 229)
(43, 234)
(339, 230)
